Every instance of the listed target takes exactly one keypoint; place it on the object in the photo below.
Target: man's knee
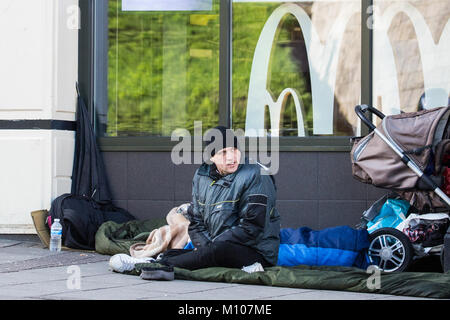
(224, 253)
(219, 246)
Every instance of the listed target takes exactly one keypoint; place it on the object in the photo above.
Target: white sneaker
(256, 267)
(122, 262)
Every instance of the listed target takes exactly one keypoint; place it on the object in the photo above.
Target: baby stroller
(409, 154)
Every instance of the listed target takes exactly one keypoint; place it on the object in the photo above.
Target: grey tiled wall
(315, 189)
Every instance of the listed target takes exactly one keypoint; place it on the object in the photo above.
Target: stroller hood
(416, 133)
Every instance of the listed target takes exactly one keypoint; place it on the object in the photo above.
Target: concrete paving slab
(94, 268)
(50, 274)
(182, 286)
(8, 243)
(235, 292)
(6, 297)
(113, 293)
(34, 290)
(42, 290)
(30, 276)
(52, 260)
(19, 253)
(114, 279)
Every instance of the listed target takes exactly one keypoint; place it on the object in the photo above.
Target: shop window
(163, 67)
(411, 61)
(302, 59)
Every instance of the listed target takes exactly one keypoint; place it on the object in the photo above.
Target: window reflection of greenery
(136, 59)
(288, 65)
(135, 72)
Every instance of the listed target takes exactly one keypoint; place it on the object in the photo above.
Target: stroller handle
(362, 109)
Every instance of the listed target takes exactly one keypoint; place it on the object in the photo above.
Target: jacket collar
(205, 170)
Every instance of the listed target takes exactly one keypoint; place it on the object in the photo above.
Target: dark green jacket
(239, 207)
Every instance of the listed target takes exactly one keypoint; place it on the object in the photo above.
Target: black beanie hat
(221, 136)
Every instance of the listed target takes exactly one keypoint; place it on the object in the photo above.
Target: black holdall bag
(81, 216)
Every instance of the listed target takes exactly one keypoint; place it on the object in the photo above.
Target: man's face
(227, 160)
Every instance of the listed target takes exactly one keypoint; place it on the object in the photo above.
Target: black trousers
(216, 254)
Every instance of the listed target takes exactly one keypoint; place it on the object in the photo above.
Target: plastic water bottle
(55, 236)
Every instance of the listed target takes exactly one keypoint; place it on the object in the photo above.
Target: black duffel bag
(81, 216)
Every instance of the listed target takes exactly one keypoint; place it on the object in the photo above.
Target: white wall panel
(38, 59)
(35, 168)
(63, 151)
(25, 177)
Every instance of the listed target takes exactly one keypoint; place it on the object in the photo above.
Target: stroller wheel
(390, 250)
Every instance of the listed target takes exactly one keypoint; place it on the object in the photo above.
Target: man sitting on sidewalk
(233, 219)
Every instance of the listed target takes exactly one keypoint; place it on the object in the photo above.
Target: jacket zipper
(214, 204)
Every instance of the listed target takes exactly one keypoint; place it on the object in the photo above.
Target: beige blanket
(172, 236)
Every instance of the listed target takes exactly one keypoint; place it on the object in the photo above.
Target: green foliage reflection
(163, 70)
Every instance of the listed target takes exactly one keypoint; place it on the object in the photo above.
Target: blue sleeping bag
(337, 246)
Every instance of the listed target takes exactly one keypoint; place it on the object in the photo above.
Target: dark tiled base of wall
(315, 189)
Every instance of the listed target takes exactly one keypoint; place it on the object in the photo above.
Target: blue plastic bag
(392, 213)
(189, 245)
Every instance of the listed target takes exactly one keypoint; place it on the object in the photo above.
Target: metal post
(225, 63)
